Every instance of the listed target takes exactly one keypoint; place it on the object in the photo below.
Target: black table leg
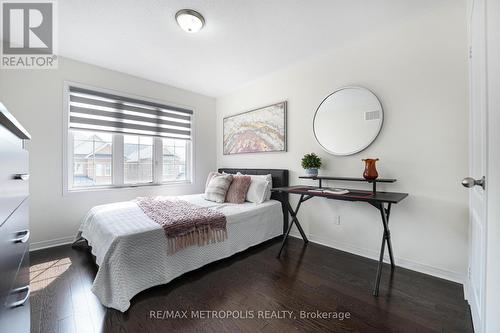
(385, 213)
(294, 220)
(285, 236)
(388, 235)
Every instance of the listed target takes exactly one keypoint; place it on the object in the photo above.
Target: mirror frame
(379, 129)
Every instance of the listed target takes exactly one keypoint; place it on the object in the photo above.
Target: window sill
(125, 187)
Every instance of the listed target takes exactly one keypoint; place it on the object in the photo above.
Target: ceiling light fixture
(189, 20)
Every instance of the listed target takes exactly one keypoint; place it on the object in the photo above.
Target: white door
(477, 163)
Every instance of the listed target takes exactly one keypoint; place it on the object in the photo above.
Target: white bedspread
(131, 249)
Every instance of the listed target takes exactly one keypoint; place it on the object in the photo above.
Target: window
(175, 153)
(138, 159)
(116, 141)
(91, 154)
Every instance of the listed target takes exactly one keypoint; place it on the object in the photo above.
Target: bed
(130, 249)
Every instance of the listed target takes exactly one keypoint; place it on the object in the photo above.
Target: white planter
(311, 172)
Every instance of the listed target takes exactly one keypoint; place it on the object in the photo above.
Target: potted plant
(311, 163)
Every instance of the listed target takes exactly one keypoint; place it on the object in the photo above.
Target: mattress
(131, 249)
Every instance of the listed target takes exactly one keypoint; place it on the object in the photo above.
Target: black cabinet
(14, 226)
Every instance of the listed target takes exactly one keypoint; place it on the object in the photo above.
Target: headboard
(280, 179)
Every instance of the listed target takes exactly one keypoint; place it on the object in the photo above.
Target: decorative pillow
(238, 189)
(257, 191)
(217, 188)
(268, 178)
(210, 176)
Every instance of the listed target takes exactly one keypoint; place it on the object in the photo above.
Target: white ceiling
(242, 40)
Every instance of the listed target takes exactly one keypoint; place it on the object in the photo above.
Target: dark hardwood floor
(312, 278)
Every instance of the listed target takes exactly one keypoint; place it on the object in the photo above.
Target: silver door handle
(23, 238)
(21, 301)
(471, 182)
(21, 176)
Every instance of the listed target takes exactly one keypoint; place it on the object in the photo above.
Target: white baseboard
(402, 262)
(466, 290)
(51, 243)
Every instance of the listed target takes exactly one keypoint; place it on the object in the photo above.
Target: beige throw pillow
(217, 188)
(211, 174)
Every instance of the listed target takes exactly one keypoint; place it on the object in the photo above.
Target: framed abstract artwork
(256, 131)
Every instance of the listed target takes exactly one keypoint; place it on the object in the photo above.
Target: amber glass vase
(370, 169)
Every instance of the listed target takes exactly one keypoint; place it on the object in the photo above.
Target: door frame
(490, 308)
(477, 52)
(492, 288)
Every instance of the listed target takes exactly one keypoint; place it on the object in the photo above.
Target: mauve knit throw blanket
(184, 223)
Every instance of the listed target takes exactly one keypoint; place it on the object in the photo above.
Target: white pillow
(268, 178)
(257, 191)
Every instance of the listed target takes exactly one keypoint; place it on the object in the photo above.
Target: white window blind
(98, 111)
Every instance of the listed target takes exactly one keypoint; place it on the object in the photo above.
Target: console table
(377, 199)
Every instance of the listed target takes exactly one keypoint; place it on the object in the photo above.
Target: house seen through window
(92, 158)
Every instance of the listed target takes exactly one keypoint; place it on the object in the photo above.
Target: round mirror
(348, 120)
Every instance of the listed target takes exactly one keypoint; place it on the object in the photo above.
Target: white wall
(419, 71)
(35, 98)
